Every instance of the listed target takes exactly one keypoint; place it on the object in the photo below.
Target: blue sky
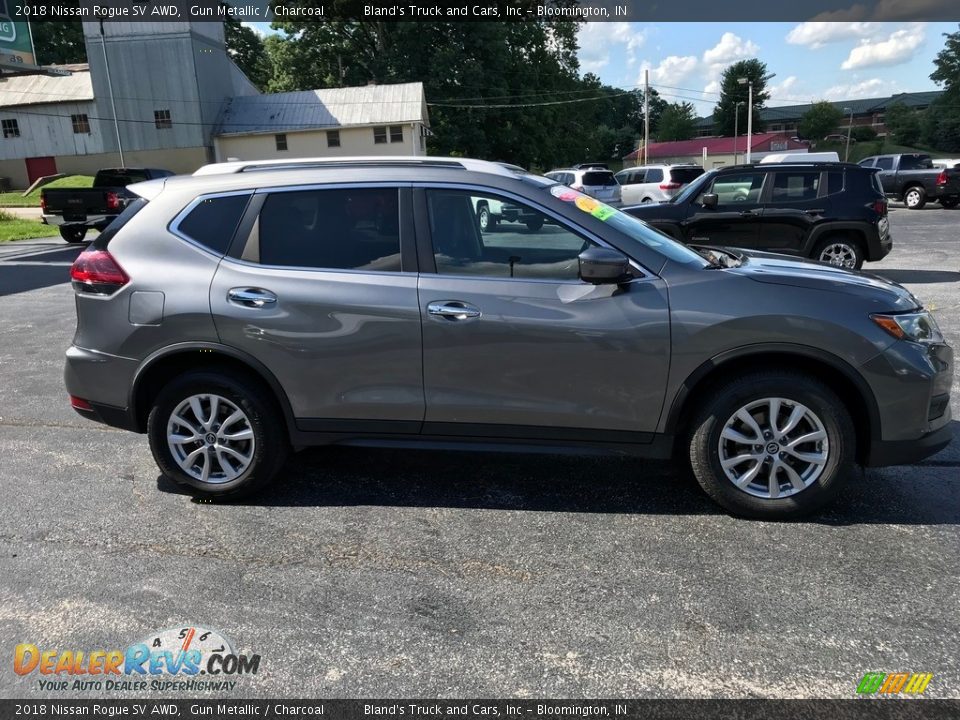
(812, 60)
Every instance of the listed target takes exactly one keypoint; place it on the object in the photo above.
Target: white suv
(655, 183)
(593, 179)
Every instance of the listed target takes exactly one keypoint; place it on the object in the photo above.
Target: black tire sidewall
(705, 458)
(920, 203)
(73, 235)
(265, 420)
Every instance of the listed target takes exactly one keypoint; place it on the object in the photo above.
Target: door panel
(793, 208)
(735, 221)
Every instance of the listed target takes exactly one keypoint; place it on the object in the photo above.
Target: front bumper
(909, 452)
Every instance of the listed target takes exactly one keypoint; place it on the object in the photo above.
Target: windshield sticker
(586, 203)
(602, 212)
(564, 193)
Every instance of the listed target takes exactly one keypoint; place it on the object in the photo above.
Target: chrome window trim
(563, 221)
(173, 227)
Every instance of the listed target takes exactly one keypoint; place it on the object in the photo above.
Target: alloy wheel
(210, 438)
(773, 448)
(839, 254)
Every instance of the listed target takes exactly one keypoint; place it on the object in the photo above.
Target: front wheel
(839, 251)
(484, 218)
(219, 434)
(915, 198)
(73, 233)
(772, 445)
(950, 202)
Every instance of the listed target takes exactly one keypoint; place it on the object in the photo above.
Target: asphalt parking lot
(381, 573)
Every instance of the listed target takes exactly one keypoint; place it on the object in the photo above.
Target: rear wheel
(915, 198)
(219, 434)
(950, 202)
(484, 218)
(772, 445)
(73, 233)
(841, 251)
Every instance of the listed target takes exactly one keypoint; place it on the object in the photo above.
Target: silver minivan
(655, 183)
(259, 307)
(593, 179)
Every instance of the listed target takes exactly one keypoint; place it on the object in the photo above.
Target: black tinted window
(685, 175)
(522, 245)
(834, 182)
(654, 175)
(118, 178)
(214, 220)
(350, 229)
(794, 186)
(599, 178)
(885, 163)
(915, 162)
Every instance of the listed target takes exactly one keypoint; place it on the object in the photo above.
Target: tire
(759, 499)
(950, 202)
(266, 449)
(73, 233)
(534, 224)
(915, 198)
(646, 201)
(484, 218)
(841, 251)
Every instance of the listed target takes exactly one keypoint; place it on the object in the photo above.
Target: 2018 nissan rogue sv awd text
(257, 307)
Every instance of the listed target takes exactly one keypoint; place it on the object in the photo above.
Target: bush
(6, 215)
(863, 133)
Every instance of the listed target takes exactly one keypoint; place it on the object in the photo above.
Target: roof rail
(241, 166)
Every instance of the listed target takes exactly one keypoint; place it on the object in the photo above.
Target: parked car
(800, 157)
(491, 212)
(840, 138)
(832, 212)
(237, 314)
(914, 179)
(593, 179)
(654, 183)
(943, 163)
(75, 210)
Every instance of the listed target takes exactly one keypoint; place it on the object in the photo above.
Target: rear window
(653, 175)
(685, 175)
(596, 177)
(118, 178)
(915, 162)
(213, 221)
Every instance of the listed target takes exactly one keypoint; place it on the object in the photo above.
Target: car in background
(491, 212)
(75, 210)
(944, 163)
(593, 179)
(915, 180)
(831, 212)
(837, 137)
(655, 183)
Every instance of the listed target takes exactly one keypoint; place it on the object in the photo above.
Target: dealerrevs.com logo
(187, 658)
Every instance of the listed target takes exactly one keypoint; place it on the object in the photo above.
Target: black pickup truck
(75, 210)
(913, 179)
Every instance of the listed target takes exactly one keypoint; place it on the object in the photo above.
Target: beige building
(368, 120)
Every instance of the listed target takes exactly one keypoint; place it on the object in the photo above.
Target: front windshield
(693, 188)
(627, 224)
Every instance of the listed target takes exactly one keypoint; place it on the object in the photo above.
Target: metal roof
(39, 89)
(328, 108)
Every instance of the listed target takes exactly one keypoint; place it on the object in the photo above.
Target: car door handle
(454, 310)
(251, 297)
(747, 213)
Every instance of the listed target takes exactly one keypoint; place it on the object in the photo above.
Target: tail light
(43, 203)
(113, 201)
(670, 186)
(942, 178)
(96, 271)
(880, 207)
(80, 403)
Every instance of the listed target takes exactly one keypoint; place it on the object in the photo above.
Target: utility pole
(113, 104)
(646, 116)
(846, 155)
(736, 129)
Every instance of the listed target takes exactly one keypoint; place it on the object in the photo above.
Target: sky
(811, 60)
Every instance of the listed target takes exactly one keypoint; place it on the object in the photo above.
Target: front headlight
(917, 327)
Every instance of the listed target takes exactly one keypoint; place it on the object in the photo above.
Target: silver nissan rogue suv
(257, 307)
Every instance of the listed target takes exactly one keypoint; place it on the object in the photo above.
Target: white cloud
(730, 49)
(671, 71)
(595, 40)
(898, 48)
(818, 34)
(786, 91)
(874, 87)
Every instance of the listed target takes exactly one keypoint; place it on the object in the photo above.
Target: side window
(734, 188)
(885, 163)
(797, 186)
(346, 229)
(866, 163)
(654, 175)
(834, 182)
(526, 247)
(213, 221)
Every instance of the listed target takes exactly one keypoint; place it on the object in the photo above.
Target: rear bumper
(103, 381)
(90, 221)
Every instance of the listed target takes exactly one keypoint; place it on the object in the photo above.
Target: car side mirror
(710, 200)
(603, 266)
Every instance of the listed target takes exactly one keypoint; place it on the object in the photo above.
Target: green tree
(59, 43)
(820, 120)
(732, 92)
(678, 122)
(947, 63)
(940, 125)
(903, 123)
(247, 51)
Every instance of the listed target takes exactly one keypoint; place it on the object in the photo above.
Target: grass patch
(14, 228)
(16, 199)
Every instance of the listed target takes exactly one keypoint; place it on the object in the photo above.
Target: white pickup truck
(489, 212)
